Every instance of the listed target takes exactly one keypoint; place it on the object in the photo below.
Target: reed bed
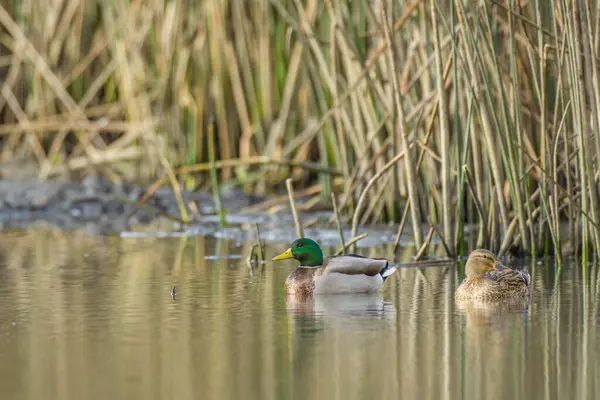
(488, 111)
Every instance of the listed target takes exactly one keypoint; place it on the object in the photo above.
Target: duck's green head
(307, 251)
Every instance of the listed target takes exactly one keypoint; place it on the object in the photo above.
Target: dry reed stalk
(425, 245)
(442, 238)
(444, 133)
(257, 160)
(290, 190)
(401, 227)
(357, 175)
(485, 118)
(370, 184)
(420, 161)
(400, 124)
(338, 222)
(518, 169)
(478, 206)
(107, 157)
(29, 51)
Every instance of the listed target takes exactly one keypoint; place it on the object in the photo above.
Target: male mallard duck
(488, 280)
(340, 274)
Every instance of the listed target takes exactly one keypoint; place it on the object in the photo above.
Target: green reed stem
(214, 179)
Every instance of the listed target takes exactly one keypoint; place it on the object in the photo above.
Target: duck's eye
(300, 244)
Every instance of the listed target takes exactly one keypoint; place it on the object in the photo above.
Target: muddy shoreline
(98, 205)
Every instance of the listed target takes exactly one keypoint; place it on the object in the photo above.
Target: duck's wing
(509, 276)
(353, 264)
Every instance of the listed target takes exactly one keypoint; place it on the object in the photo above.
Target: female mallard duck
(488, 280)
(341, 274)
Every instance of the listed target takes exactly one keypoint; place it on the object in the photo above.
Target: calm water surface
(92, 318)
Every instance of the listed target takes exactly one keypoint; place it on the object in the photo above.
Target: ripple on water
(94, 318)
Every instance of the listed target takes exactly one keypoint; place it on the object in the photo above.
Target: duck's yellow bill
(285, 255)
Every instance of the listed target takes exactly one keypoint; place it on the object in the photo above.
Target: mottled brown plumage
(488, 280)
(301, 281)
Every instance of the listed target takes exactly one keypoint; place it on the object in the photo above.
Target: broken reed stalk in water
(355, 239)
(442, 239)
(423, 248)
(290, 190)
(401, 226)
(259, 242)
(251, 258)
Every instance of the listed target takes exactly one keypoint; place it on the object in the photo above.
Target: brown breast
(301, 281)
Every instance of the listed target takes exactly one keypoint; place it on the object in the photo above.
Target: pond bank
(98, 205)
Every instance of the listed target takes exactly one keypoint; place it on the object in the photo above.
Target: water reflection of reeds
(94, 319)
